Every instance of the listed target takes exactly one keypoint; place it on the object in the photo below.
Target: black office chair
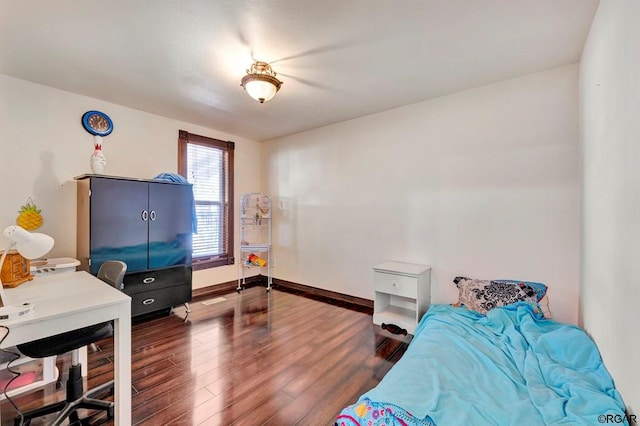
(111, 272)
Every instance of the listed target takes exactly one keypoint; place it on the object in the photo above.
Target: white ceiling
(338, 59)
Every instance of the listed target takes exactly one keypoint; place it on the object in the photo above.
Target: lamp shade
(260, 90)
(261, 82)
(29, 245)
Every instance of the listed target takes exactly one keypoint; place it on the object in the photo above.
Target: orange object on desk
(15, 270)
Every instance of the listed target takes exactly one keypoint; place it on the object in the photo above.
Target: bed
(509, 364)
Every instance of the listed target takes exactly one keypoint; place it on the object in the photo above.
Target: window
(207, 163)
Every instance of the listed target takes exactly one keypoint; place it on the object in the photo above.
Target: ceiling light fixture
(261, 82)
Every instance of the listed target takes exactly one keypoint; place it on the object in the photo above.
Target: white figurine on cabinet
(98, 161)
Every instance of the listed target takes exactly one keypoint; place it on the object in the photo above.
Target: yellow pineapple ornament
(29, 217)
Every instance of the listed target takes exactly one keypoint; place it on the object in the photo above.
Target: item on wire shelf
(254, 260)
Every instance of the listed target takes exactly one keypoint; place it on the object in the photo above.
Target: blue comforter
(510, 367)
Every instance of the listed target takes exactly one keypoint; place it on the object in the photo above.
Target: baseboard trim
(332, 297)
(225, 288)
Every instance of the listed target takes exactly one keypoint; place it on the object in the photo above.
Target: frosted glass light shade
(261, 82)
(260, 90)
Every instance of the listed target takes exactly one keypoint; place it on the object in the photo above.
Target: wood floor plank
(254, 358)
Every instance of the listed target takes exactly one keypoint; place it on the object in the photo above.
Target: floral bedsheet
(370, 413)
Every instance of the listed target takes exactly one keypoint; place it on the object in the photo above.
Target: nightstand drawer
(399, 285)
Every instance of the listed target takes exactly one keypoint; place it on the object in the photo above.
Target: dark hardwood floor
(254, 358)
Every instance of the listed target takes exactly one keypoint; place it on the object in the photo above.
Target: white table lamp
(30, 246)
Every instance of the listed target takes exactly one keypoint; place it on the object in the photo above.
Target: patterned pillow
(539, 288)
(482, 296)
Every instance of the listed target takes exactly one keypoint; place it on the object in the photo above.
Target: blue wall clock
(97, 123)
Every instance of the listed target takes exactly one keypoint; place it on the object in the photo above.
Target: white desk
(68, 301)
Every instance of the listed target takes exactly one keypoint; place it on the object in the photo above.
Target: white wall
(43, 146)
(610, 124)
(482, 183)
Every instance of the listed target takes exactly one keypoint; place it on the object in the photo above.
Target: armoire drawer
(150, 301)
(153, 280)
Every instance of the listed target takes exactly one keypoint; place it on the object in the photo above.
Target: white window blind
(205, 170)
(208, 165)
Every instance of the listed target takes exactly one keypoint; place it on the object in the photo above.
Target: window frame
(184, 139)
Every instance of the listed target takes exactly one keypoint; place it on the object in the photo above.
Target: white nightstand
(402, 293)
